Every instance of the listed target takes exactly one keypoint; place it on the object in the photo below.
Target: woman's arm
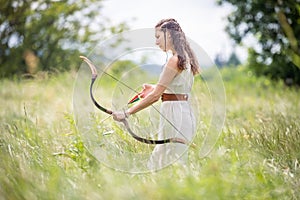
(168, 74)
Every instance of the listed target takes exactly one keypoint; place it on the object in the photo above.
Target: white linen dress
(176, 120)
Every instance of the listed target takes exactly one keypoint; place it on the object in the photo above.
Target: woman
(174, 87)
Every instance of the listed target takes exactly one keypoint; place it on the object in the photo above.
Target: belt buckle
(185, 96)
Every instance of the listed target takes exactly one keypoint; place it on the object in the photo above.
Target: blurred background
(49, 35)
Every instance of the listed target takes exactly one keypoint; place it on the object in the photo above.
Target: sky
(203, 21)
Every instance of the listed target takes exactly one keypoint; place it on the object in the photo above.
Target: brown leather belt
(174, 97)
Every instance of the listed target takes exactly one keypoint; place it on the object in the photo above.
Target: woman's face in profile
(160, 39)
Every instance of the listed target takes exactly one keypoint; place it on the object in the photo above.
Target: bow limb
(91, 65)
(149, 141)
(94, 76)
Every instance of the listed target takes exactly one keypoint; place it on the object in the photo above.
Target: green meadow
(43, 156)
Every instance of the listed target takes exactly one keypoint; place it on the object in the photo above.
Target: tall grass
(43, 155)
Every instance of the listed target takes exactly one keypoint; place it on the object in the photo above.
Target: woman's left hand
(120, 115)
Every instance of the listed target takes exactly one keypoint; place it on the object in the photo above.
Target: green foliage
(233, 60)
(275, 26)
(278, 70)
(48, 35)
(43, 156)
(271, 141)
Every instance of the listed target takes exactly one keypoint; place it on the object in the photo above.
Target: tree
(275, 26)
(220, 60)
(48, 35)
(232, 61)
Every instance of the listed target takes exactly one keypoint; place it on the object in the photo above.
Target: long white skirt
(176, 120)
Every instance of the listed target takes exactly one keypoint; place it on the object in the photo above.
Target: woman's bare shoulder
(173, 62)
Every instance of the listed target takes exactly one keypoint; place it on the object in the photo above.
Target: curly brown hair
(180, 43)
